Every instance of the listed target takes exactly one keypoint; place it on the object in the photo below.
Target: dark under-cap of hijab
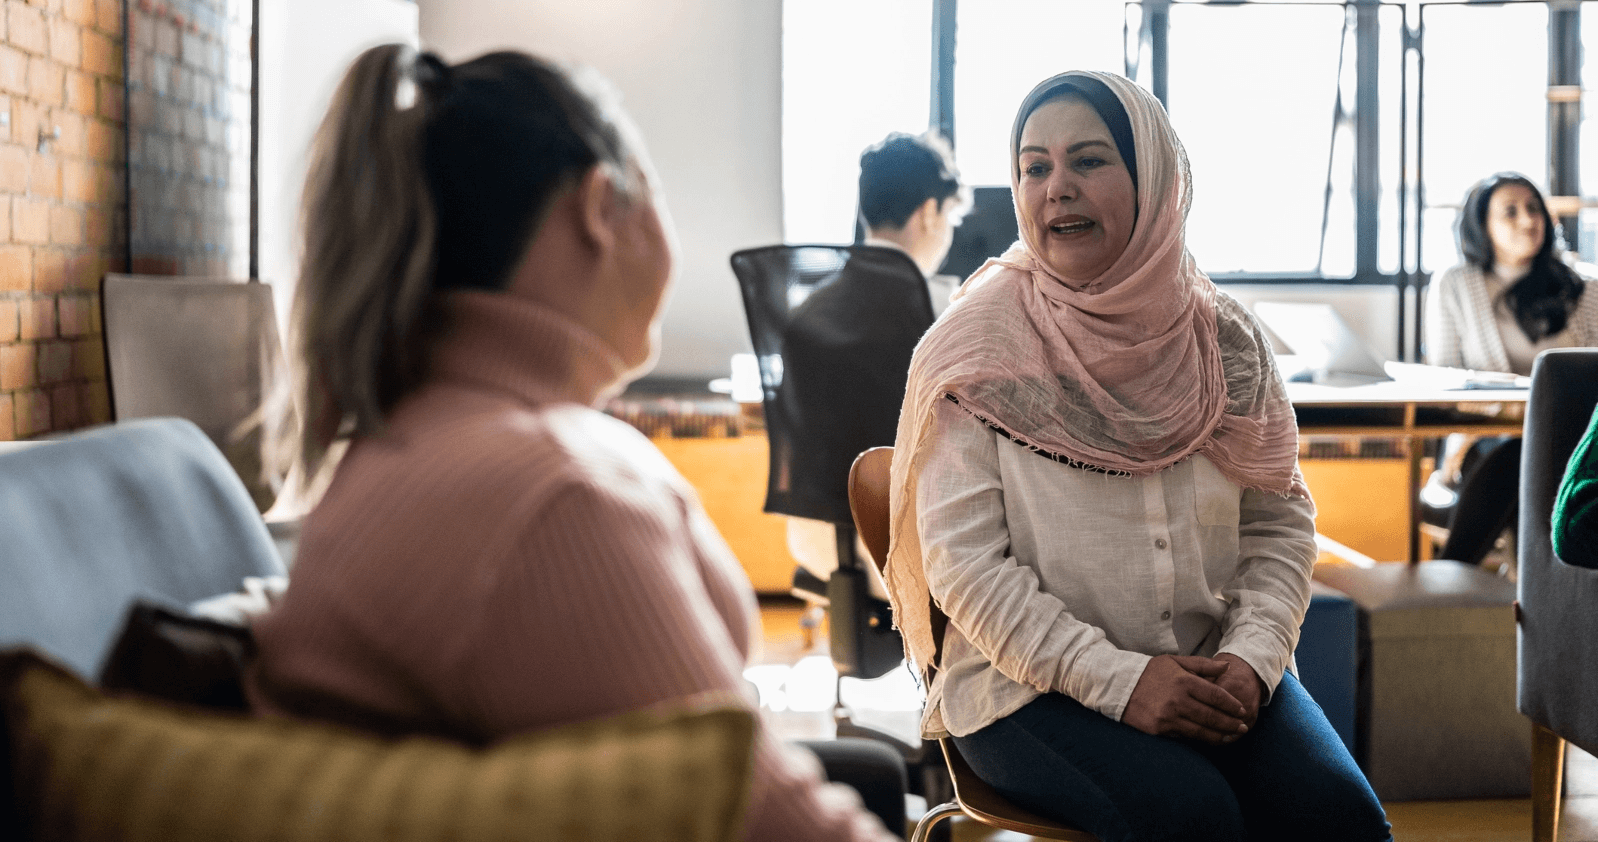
(1103, 100)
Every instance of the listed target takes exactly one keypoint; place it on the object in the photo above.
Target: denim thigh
(1289, 778)
(1066, 762)
(1294, 777)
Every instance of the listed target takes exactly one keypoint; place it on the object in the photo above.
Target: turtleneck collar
(510, 343)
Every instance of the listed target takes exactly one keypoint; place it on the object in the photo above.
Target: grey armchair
(1558, 659)
(205, 349)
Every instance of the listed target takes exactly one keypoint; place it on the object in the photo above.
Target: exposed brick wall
(61, 208)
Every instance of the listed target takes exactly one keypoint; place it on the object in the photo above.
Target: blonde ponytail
(369, 225)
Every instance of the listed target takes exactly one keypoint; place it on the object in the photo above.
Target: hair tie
(432, 74)
(425, 75)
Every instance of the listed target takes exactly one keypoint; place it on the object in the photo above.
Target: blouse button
(1165, 615)
(1159, 542)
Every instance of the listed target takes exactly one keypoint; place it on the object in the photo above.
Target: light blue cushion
(142, 509)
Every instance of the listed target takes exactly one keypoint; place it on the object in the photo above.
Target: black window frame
(1564, 124)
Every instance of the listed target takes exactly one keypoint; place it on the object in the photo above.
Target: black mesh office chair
(833, 328)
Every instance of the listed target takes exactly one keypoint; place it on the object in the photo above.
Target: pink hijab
(1128, 374)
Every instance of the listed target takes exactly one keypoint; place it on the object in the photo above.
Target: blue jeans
(1289, 778)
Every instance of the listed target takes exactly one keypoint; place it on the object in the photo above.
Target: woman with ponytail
(486, 259)
(1512, 298)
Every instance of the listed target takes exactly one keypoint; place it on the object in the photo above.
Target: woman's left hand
(1243, 683)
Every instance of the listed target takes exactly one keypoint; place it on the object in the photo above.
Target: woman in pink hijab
(1096, 480)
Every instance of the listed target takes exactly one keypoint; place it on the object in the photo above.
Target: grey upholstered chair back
(205, 349)
(1558, 647)
(141, 509)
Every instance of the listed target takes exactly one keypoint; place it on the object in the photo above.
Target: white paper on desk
(1443, 377)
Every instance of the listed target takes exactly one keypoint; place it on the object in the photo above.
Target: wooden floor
(797, 688)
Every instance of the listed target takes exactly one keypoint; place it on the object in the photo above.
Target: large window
(1586, 237)
(852, 71)
(1484, 109)
(1267, 135)
(1002, 49)
(1329, 140)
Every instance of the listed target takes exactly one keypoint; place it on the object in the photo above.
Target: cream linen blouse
(1058, 579)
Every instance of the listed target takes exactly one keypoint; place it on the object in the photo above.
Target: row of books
(679, 417)
(1338, 447)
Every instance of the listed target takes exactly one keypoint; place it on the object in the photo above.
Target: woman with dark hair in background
(1096, 479)
(486, 260)
(1511, 299)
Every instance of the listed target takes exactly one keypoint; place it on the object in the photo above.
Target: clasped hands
(1212, 700)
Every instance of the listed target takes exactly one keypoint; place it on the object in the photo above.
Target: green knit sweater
(1576, 507)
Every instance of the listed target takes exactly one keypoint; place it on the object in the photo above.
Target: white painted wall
(703, 80)
(305, 47)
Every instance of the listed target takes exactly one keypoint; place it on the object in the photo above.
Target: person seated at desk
(1575, 526)
(1096, 480)
(1511, 298)
(848, 350)
(487, 260)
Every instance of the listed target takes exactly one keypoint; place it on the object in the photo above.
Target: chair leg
(933, 816)
(934, 783)
(936, 788)
(1547, 783)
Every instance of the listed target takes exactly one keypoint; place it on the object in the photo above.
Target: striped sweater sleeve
(604, 596)
(1443, 321)
(1585, 318)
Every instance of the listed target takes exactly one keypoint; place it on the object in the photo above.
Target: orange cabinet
(1362, 503)
(730, 476)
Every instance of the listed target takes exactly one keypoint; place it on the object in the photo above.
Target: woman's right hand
(1176, 696)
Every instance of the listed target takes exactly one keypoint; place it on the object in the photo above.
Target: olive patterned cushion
(84, 765)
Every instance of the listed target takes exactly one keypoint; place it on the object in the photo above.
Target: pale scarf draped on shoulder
(1128, 374)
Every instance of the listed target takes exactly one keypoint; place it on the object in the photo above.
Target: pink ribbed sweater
(505, 557)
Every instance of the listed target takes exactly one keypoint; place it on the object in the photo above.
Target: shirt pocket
(1217, 500)
(1218, 508)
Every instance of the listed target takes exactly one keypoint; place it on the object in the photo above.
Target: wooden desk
(1408, 411)
(730, 471)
